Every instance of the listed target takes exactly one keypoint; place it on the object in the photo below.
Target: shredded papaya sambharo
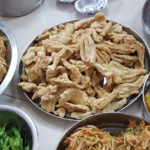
(135, 137)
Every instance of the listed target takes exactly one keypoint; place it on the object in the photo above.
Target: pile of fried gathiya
(3, 65)
(67, 66)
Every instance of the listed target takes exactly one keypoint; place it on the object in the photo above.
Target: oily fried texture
(3, 65)
(84, 67)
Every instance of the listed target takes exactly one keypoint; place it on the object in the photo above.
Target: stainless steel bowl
(111, 122)
(13, 8)
(131, 100)
(11, 55)
(9, 114)
(146, 89)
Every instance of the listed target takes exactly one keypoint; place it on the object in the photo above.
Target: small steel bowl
(146, 89)
(113, 123)
(11, 114)
(131, 99)
(11, 56)
(16, 8)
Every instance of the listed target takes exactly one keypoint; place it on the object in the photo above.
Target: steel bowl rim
(27, 119)
(14, 58)
(72, 119)
(142, 16)
(96, 115)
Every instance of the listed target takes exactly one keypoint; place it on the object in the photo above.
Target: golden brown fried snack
(80, 115)
(27, 86)
(69, 107)
(2, 48)
(111, 107)
(3, 65)
(84, 67)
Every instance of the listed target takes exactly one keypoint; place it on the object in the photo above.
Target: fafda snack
(84, 67)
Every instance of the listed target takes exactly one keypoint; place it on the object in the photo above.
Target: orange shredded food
(147, 101)
(135, 137)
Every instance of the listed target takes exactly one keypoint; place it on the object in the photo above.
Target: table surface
(51, 13)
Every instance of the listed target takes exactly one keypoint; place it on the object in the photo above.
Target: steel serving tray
(131, 100)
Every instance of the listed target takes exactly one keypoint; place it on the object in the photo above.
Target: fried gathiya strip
(42, 90)
(42, 60)
(127, 89)
(87, 49)
(140, 49)
(119, 73)
(48, 103)
(60, 112)
(102, 57)
(27, 86)
(80, 115)
(64, 36)
(74, 72)
(51, 45)
(2, 48)
(53, 73)
(43, 36)
(80, 64)
(24, 77)
(34, 73)
(64, 81)
(51, 69)
(99, 17)
(3, 70)
(75, 96)
(69, 107)
(101, 103)
(116, 34)
(81, 24)
(105, 29)
(100, 91)
(126, 60)
(31, 54)
(121, 48)
(96, 78)
(90, 91)
(111, 107)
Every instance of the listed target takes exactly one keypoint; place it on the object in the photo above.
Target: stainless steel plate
(111, 122)
(146, 17)
(131, 99)
(11, 55)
